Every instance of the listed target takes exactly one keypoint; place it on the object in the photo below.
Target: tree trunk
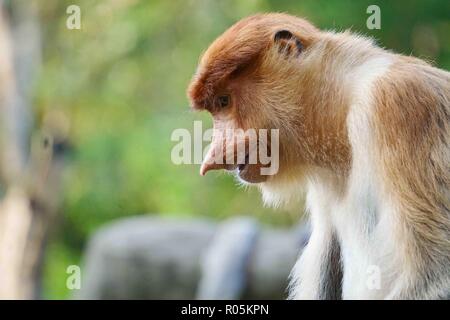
(28, 177)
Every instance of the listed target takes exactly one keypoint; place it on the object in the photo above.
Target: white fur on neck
(347, 212)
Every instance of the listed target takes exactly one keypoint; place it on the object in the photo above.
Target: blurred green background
(121, 81)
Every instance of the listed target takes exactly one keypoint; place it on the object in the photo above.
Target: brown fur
(235, 63)
(349, 114)
(414, 140)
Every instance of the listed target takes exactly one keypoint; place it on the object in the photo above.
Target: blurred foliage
(121, 80)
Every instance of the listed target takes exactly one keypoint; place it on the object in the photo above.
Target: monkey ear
(288, 44)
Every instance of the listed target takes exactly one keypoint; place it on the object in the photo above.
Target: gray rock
(151, 257)
(225, 261)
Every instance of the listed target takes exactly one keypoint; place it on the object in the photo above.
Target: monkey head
(252, 77)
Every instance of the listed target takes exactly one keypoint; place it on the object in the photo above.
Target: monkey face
(242, 81)
(240, 143)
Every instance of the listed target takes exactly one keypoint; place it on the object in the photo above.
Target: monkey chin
(280, 190)
(285, 190)
(248, 174)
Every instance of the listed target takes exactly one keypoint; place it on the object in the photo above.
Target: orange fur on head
(265, 80)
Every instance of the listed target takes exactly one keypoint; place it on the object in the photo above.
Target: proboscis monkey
(365, 130)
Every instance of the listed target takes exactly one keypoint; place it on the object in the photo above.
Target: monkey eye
(223, 101)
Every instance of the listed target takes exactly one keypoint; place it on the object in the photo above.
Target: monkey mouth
(241, 167)
(249, 172)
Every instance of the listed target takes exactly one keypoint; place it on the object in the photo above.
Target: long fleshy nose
(221, 155)
(211, 163)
